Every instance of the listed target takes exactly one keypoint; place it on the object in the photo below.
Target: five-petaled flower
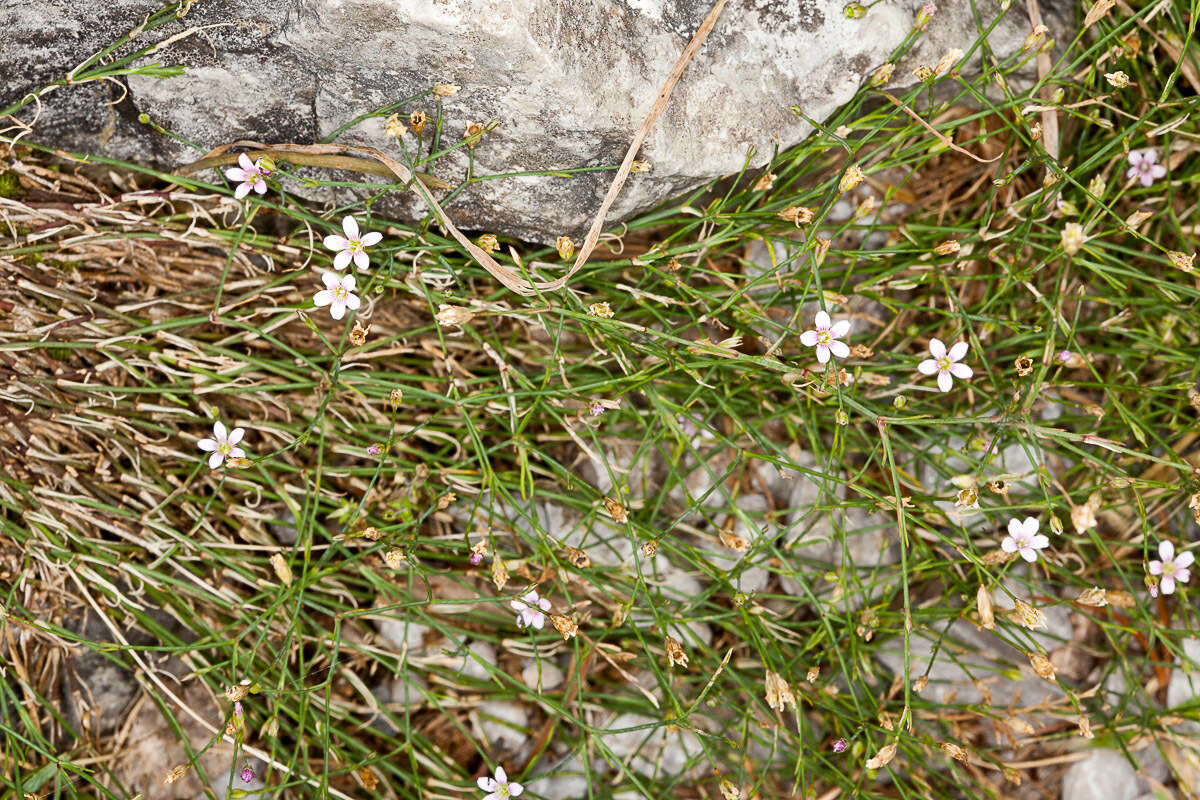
(531, 610)
(945, 363)
(338, 294)
(251, 176)
(1023, 538)
(352, 246)
(825, 337)
(1173, 568)
(1144, 167)
(499, 787)
(223, 444)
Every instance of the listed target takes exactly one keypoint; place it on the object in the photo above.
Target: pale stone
(1103, 775)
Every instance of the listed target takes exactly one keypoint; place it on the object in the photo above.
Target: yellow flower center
(944, 364)
(1168, 569)
(354, 245)
(224, 448)
(823, 337)
(339, 293)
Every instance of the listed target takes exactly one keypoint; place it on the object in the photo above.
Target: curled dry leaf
(883, 757)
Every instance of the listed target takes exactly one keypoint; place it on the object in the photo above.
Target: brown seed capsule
(1094, 597)
(650, 548)
(454, 315)
(675, 654)
(173, 775)
(1027, 616)
(566, 626)
(282, 570)
(764, 182)
(358, 336)
(797, 215)
(852, 177)
(738, 544)
(577, 557)
(499, 573)
(954, 751)
(987, 616)
(369, 781)
(602, 310)
(396, 397)
(395, 128)
(1042, 666)
(444, 90)
(372, 533)
(1182, 261)
(395, 558)
(883, 757)
(947, 247)
(489, 242)
(1024, 365)
(474, 134)
(417, 120)
(445, 500)
(616, 510)
(813, 673)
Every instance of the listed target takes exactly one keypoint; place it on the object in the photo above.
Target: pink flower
(223, 445)
(338, 294)
(945, 364)
(839, 746)
(1143, 166)
(1023, 538)
(352, 246)
(1173, 568)
(530, 610)
(476, 559)
(247, 774)
(825, 337)
(250, 176)
(499, 787)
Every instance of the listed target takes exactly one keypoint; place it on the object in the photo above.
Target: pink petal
(361, 260)
(350, 226)
(1015, 528)
(517, 605)
(927, 367)
(822, 321)
(219, 432)
(237, 452)
(1166, 551)
(809, 338)
(486, 784)
(1135, 157)
(1149, 157)
(1185, 559)
(945, 382)
(342, 260)
(235, 174)
(261, 187)
(1167, 585)
(539, 621)
(331, 280)
(207, 445)
(501, 775)
(961, 371)
(823, 353)
(1132, 173)
(958, 351)
(337, 309)
(215, 460)
(1183, 575)
(840, 328)
(1155, 567)
(322, 298)
(515, 789)
(1009, 545)
(1157, 171)
(353, 302)
(1040, 542)
(236, 435)
(544, 604)
(241, 191)
(348, 282)
(936, 348)
(839, 349)
(371, 238)
(244, 162)
(1148, 181)
(333, 242)
(1029, 554)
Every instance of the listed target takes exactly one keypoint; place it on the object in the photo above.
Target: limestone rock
(567, 83)
(1103, 775)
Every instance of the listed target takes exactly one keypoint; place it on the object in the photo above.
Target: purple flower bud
(839, 746)
(1065, 357)
(247, 774)
(374, 449)
(237, 709)
(476, 559)
(596, 409)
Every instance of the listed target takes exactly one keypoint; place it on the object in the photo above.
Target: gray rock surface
(1104, 775)
(568, 84)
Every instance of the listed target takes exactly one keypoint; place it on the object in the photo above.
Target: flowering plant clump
(1171, 569)
(352, 246)
(1023, 538)
(223, 444)
(499, 787)
(531, 610)
(945, 363)
(1144, 167)
(338, 294)
(825, 337)
(248, 175)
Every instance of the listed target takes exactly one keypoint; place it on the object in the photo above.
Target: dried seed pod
(675, 653)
